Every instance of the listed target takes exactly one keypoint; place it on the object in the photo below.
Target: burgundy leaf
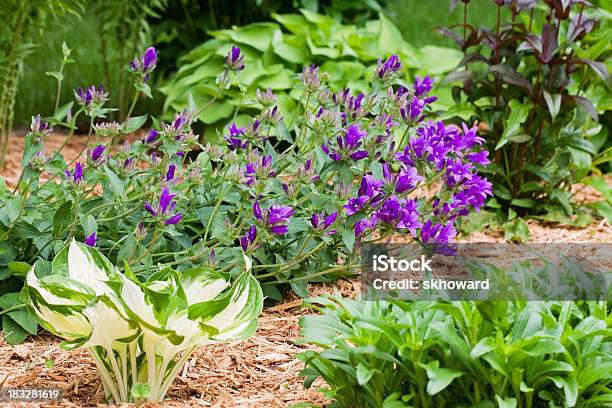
(585, 104)
(599, 67)
(510, 76)
(549, 42)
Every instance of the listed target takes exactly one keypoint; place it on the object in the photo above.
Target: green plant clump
(504, 354)
(275, 50)
(538, 81)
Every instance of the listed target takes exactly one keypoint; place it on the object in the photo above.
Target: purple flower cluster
(275, 218)
(233, 138)
(145, 63)
(261, 169)
(96, 156)
(247, 241)
(388, 70)
(322, 223)
(40, 129)
(164, 211)
(234, 60)
(76, 177)
(310, 78)
(91, 96)
(347, 145)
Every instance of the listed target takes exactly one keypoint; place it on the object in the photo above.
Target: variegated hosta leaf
(84, 299)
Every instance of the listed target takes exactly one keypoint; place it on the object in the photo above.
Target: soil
(260, 372)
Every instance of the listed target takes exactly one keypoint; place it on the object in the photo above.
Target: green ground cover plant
(460, 354)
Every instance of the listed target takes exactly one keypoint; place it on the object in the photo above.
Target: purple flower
(234, 60)
(399, 214)
(248, 239)
(175, 219)
(170, 173)
(274, 218)
(355, 205)
(481, 158)
(310, 78)
(39, 128)
(145, 63)
(92, 95)
(76, 177)
(232, 139)
(266, 98)
(96, 154)
(259, 169)
(151, 136)
(389, 69)
(422, 86)
(321, 222)
(437, 233)
(348, 145)
(91, 240)
(403, 181)
(164, 211)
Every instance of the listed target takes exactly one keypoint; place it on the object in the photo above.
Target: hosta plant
(139, 333)
(297, 194)
(504, 354)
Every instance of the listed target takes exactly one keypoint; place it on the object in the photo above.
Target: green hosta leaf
(140, 390)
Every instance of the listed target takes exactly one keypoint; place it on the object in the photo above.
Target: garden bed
(260, 372)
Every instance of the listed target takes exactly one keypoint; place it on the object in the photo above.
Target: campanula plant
(298, 194)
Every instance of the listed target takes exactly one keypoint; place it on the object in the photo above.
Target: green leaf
(62, 218)
(13, 332)
(141, 390)
(439, 378)
(506, 402)
(23, 319)
(364, 373)
(19, 268)
(348, 238)
(135, 123)
(523, 202)
(115, 183)
(518, 114)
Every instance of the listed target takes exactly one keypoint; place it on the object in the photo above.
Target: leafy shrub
(135, 331)
(273, 52)
(460, 354)
(178, 30)
(298, 210)
(536, 81)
